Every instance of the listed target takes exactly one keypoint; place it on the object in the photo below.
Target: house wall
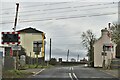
(27, 40)
(97, 55)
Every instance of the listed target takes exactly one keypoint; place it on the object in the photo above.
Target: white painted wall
(27, 40)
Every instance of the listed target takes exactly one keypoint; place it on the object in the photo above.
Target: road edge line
(109, 73)
(38, 72)
(75, 76)
(70, 75)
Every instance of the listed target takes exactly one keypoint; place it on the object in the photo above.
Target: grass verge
(15, 74)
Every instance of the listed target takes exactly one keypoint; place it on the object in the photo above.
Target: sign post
(12, 38)
(37, 49)
(17, 48)
(104, 54)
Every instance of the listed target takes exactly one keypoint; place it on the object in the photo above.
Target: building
(27, 38)
(104, 43)
(73, 60)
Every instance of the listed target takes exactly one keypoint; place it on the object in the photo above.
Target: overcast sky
(64, 22)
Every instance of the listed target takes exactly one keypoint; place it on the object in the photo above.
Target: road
(72, 73)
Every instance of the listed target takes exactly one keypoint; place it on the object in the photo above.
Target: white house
(109, 46)
(27, 38)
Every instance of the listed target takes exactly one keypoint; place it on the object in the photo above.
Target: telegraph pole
(78, 58)
(50, 50)
(67, 55)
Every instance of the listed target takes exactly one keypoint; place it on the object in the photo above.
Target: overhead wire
(61, 12)
(70, 17)
(38, 5)
(63, 16)
(62, 8)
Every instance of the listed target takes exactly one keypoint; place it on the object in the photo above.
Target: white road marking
(71, 76)
(95, 77)
(72, 68)
(75, 76)
(38, 72)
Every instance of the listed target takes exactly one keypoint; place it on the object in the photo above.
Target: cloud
(60, 1)
(65, 33)
(62, 53)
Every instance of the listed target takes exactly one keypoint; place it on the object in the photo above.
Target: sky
(63, 22)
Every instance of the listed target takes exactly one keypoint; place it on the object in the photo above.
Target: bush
(53, 61)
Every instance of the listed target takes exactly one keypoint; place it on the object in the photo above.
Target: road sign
(104, 54)
(35, 49)
(37, 43)
(16, 47)
(37, 46)
(10, 37)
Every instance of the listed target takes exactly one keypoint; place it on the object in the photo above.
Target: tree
(88, 39)
(53, 61)
(115, 29)
(115, 33)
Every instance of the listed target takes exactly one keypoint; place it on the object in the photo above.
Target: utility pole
(78, 58)
(50, 50)
(67, 55)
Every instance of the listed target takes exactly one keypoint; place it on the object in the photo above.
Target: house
(73, 60)
(27, 38)
(104, 42)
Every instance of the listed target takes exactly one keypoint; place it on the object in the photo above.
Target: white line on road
(75, 76)
(71, 68)
(38, 72)
(71, 76)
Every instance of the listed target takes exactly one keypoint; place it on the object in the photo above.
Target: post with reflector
(43, 48)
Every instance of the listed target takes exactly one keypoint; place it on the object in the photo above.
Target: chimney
(104, 32)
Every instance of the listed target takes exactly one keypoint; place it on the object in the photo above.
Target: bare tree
(115, 33)
(88, 39)
(115, 28)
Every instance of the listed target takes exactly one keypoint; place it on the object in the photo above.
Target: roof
(30, 30)
(103, 30)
